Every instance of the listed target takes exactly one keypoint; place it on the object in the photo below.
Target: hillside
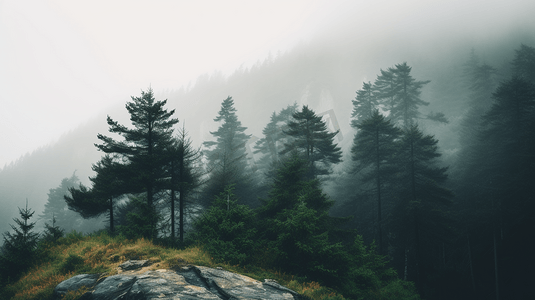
(102, 254)
(323, 75)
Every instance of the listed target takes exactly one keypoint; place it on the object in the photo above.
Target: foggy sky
(62, 62)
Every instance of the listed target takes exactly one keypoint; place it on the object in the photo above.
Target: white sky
(64, 61)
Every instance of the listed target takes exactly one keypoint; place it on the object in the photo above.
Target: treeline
(262, 202)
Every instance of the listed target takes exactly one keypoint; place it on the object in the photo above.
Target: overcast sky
(64, 61)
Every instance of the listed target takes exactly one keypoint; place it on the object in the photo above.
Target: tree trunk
(112, 226)
(471, 266)
(496, 269)
(173, 215)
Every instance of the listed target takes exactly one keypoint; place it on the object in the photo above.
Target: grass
(102, 254)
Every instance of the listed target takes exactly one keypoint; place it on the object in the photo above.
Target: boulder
(75, 283)
(192, 282)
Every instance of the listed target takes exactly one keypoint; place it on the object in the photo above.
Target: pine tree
(185, 177)
(374, 150)
(524, 63)
(108, 185)
(18, 251)
(313, 141)
(400, 94)
(364, 104)
(386, 88)
(422, 196)
(271, 144)
(143, 150)
(407, 99)
(57, 208)
(144, 146)
(227, 156)
(296, 224)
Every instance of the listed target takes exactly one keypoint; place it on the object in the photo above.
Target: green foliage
(19, 249)
(313, 141)
(56, 207)
(227, 229)
(227, 157)
(52, 232)
(72, 263)
(141, 220)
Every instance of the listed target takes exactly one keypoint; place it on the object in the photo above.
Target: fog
(65, 66)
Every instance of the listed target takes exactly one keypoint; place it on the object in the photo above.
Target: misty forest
(416, 182)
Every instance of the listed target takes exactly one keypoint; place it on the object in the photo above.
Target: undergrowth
(102, 254)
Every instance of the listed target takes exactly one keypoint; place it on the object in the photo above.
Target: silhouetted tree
(185, 177)
(270, 145)
(312, 139)
(108, 185)
(364, 104)
(374, 150)
(18, 251)
(57, 208)
(143, 148)
(422, 197)
(524, 63)
(227, 156)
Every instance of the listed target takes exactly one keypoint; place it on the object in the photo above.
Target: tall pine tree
(313, 141)
(227, 156)
(374, 150)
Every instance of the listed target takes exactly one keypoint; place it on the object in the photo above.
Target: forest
(390, 213)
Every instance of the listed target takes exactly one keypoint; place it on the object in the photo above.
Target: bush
(227, 229)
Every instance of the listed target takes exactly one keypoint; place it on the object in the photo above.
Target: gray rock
(134, 264)
(75, 283)
(189, 283)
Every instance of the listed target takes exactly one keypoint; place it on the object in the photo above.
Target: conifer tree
(271, 144)
(56, 207)
(18, 251)
(143, 150)
(227, 156)
(108, 185)
(144, 146)
(185, 177)
(374, 150)
(407, 99)
(400, 94)
(312, 140)
(524, 63)
(422, 196)
(364, 104)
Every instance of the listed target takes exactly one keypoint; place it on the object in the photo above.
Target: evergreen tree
(407, 99)
(227, 156)
(52, 232)
(364, 104)
(524, 63)
(108, 186)
(143, 150)
(185, 177)
(386, 88)
(400, 93)
(18, 251)
(510, 129)
(227, 229)
(57, 208)
(422, 199)
(145, 145)
(313, 141)
(271, 144)
(296, 224)
(374, 150)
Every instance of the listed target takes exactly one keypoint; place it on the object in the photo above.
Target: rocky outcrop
(139, 282)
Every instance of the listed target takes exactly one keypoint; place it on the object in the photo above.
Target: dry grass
(77, 254)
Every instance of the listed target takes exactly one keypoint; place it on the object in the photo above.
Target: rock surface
(192, 282)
